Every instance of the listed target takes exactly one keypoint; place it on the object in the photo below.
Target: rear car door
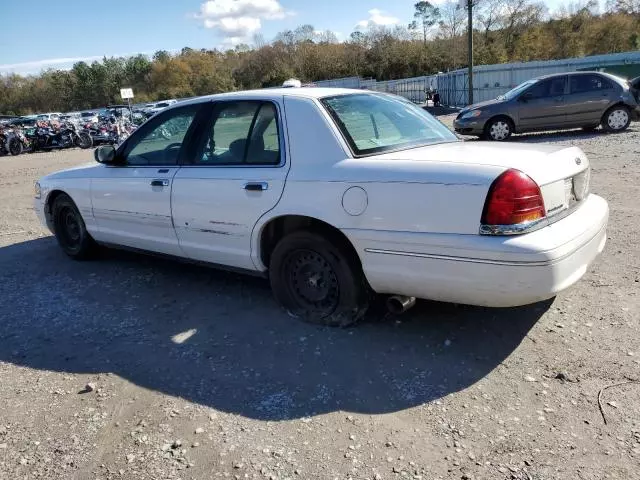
(132, 200)
(589, 97)
(543, 105)
(237, 176)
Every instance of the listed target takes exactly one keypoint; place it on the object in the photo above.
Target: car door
(132, 198)
(237, 177)
(543, 105)
(589, 96)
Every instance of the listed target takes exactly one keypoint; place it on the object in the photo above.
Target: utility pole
(470, 46)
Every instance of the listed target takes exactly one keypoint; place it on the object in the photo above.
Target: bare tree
(453, 20)
(426, 16)
(627, 6)
(258, 40)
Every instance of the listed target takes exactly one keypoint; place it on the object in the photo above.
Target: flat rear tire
(317, 280)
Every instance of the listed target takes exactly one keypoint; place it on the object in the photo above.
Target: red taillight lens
(513, 198)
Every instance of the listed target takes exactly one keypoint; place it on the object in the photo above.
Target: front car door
(132, 199)
(543, 105)
(237, 177)
(589, 97)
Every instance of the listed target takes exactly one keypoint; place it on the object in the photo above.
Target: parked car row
(553, 102)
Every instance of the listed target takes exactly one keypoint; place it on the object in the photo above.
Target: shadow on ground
(121, 314)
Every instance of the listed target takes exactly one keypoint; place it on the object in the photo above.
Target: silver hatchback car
(554, 102)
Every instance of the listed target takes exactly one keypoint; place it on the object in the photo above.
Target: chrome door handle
(256, 186)
(160, 182)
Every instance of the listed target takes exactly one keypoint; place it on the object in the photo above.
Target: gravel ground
(138, 368)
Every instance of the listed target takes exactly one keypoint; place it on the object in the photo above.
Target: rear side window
(373, 123)
(589, 83)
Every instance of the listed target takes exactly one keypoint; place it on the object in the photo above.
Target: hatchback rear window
(373, 123)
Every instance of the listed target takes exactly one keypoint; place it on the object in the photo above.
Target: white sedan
(335, 194)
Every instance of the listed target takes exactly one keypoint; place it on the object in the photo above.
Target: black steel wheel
(70, 230)
(318, 279)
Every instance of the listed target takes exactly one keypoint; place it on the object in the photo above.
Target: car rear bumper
(485, 270)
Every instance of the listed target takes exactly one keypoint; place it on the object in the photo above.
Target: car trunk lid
(562, 172)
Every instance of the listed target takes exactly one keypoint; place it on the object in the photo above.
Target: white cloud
(238, 20)
(38, 65)
(377, 18)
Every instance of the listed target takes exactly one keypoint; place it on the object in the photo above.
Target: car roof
(276, 93)
(581, 72)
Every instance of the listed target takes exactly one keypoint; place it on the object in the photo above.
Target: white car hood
(543, 163)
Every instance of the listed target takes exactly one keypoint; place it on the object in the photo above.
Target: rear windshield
(374, 123)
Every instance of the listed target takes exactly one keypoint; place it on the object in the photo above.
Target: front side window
(551, 87)
(160, 142)
(374, 123)
(589, 83)
(243, 133)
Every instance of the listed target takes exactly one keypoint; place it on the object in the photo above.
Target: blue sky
(39, 34)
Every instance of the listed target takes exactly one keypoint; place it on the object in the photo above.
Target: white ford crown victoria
(334, 194)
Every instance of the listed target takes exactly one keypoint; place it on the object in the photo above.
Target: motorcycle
(10, 142)
(47, 138)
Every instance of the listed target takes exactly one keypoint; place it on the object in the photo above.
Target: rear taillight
(513, 199)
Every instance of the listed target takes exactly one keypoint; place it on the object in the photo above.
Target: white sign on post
(126, 93)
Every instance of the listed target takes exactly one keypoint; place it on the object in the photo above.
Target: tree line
(435, 41)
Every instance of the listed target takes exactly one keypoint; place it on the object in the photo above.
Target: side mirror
(525, 97)
(105, 154)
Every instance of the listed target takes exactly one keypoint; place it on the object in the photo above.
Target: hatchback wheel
(616, 119)
(498, 130)
(317, 280)
(70, 230)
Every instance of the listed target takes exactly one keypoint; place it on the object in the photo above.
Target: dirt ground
(198, 374)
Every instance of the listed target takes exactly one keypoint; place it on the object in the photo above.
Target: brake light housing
(513, 205)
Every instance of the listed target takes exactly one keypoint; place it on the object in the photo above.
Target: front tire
(84, 140)
(318, 280)
(15, 146)
(70, 230)
(498, 129)
(616, 119)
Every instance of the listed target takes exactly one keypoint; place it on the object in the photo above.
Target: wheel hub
(313, 281)
(618, 119)
(70, 229)
(499, 130)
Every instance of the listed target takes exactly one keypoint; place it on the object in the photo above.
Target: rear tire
(616, 119)
(498, 129)
(70, 230)
(318, 280)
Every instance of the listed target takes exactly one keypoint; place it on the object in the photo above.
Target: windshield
(513, 93)
(162, 105)
(378, 123)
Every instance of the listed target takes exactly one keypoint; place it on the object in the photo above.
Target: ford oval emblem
(578, 161)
